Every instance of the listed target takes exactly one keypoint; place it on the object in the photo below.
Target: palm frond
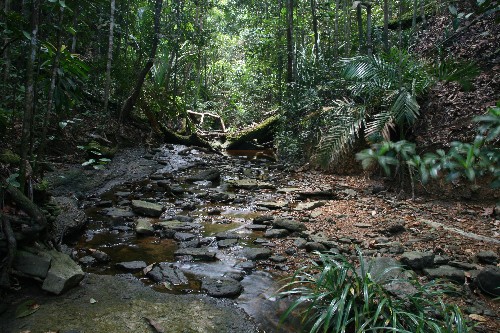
(348, 120)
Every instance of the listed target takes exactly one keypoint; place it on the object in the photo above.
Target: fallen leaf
(488, 211)
(167, 285)
(477, 317)
(26, 308)
(157, 327)
(147, 269)
(92, 301)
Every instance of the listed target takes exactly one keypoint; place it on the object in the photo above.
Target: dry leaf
(477, 317)
(147, 269)
(488, 211)
(92, 301)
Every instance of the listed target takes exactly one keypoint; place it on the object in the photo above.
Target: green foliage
(460, 72)
(333, 295)
(98, 153)
(468, 160)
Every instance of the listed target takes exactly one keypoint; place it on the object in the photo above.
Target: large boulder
(446, 272)
(144, 227)
(209, 174)
(167, 272)
(32, 263)
(147, 208)
(69, 220)
(290, 225)
(63, 273)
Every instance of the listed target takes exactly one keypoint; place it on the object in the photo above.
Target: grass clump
(333, 295)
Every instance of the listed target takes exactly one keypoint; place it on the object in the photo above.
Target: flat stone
(257, 227)
(132, 266)
(118, 212)
(147, 208)
(246, 265)
(441, 260)
(227, 242)
(446, 272)
(285, 190)
(221, 287)
(209, 174)
(263, 219)
(308, 205)
(363, 225)
(290, 225)
(418, 260)
(144, 227)
(277, 258)
(32, 264)
(87, 260)
(192, 243)
(250, 184)
(463, 265)
(167, 272)
(276, 233)
(300, 243)
(184, 236)
(226, 235)
(487, 257)
(100, 256)
(257, 253)
(488, 280)
(63, 274)
(197, 253)
(315, 246)
(272, 204)
(177, 225)
(388, 272)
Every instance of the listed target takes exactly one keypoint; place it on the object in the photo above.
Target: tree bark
(6, 42)
(52, 88)
(315, 29)
(422, 12)
(385, 33)
(75, 28)
(110, 56)
(289, 42)
(132, 99)
(336, 31)
(6, 265)
(29, 102)
(360, 26)
(347, 13)
(369, 46)
(414, 17)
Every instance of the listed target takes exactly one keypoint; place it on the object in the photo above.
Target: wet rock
(441, 260)
(257, 227)
(221, 287)
(121, 228)
(100, 256)
(167, 272)
(165, 184)
(219, 197)
(69, 218)
(144, 227)
(177, 189)
(315, 246)
(197, 253)
(147, 208)
(188, 206)
(488, 280)
(132, 266)
(184, 236)
(63, 274)
(326, 193)
(192, 243)
(290, 251)
(227, 242)
(87, 260)
(276, 233)
(32, 263)
(272, 204)
(257, 253)
(418, 260)
(487, 257)
(117, 212)
(247, 266)
(290, 225)
(209, 174)
(446, 272)
(263, 219)
(462, 265)
(250, 184)
(226, 235)
(182, 218)
(309, 205)
(176, 226)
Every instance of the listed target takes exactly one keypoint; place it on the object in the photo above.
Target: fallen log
(193, 139)
(261, 133)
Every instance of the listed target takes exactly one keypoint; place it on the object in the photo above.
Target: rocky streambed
(180, 225)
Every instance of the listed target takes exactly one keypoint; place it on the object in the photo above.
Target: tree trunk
(336, 31)
(385, 34)
(360, 27)
(6, 264)
(347, 13)
(289, 42)
(315, 29)
(279, 77)
(29, 102)
(132, 99)
(6, 53)
(75, 28)
(414, 17)
(369, 46)
(52, 88)
(110, 56)
(422, 12)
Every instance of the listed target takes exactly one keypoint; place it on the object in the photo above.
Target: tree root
(6, 264)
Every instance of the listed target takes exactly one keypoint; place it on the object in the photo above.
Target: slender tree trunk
(315, 29)
(29, 102)
(6, 53)
(52, 88)
(422, 12)
(336, 31)
(130, 102)
(360, 27)
(414, 17)
(289, 42)
(75, 28)
(369, 45)
(279, 78)
(107, 86)
(347, 14)
(385, 34)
